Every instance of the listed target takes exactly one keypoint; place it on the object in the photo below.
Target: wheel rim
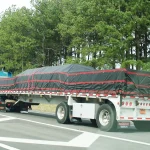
(61, 112)
(104, 117)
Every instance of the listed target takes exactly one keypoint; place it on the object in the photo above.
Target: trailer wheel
(106, 118)
(62, 113)
(142, 125)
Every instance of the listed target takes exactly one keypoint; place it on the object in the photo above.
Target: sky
(4, 4)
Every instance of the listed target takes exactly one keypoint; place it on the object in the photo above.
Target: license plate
(142, 111)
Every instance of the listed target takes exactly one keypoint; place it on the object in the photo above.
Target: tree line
(103, 34)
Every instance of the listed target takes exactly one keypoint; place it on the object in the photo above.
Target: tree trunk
(137, 46)
(145, 47)
(43, 49)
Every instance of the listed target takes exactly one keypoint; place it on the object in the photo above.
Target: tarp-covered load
(76, 78)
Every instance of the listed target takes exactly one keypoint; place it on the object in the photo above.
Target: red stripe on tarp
(90, 82)
(6, 84)
(138, 74)
(80, 91)
(129, 82)
(145, 86)
(137, 85)
(96, 72)
(71, 83)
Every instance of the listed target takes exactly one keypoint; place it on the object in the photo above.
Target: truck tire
(142, 125)
(106, 118)
(62, 113)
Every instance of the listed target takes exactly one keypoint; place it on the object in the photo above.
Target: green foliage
(126, 64)
(146, 66)
(16, 41)
(99, 33)
(105, 31)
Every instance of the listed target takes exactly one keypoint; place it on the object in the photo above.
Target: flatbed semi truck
(106, 97)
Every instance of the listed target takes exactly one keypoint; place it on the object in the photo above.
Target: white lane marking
(83, 140)
(51, 125)
(112, 137)
(32, 141)
(7, 147)
(81, 131)
(41, 123)
(126, 140)
(6, 119)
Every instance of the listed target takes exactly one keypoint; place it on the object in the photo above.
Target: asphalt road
(42, 132)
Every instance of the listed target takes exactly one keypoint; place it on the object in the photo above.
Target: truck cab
(4, 74)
